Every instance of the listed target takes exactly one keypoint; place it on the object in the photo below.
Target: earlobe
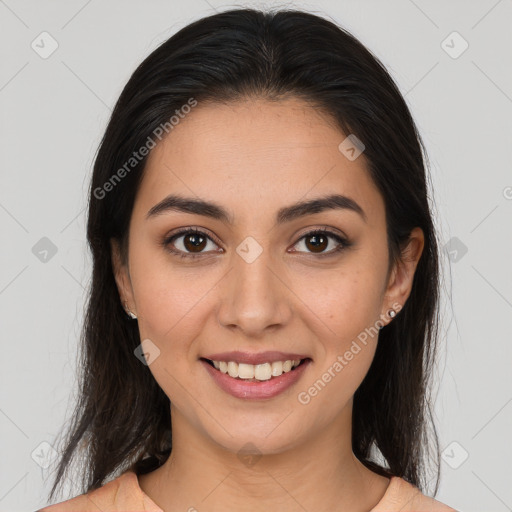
(133, 316)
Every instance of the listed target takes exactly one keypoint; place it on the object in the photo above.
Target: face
(305, 283)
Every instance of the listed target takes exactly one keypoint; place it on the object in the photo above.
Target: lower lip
(256, 390)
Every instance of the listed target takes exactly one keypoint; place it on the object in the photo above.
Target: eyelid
(328, 229)
(191, 229)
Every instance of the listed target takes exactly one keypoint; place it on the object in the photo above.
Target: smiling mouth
(257, 372)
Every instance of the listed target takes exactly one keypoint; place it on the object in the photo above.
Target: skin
(254, 157)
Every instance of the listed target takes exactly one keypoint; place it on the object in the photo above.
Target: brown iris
(319, 244)
(197, 241)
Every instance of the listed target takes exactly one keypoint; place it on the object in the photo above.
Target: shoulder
(121, 494)
(405, 497)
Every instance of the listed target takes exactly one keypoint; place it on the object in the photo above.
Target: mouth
(257, 372)
(255, 382)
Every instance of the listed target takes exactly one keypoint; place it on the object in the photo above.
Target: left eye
(194, 241)
(319, 241)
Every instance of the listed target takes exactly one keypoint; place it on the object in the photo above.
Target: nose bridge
(255, 297)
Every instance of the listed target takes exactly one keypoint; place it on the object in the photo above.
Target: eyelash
(167, 242)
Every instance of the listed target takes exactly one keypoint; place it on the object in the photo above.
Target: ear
(400, 282)
(122, 277)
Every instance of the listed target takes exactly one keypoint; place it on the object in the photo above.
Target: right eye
(193, 240)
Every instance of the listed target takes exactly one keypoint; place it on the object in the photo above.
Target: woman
(265, 281)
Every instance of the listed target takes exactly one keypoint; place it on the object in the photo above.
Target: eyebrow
(287, 214)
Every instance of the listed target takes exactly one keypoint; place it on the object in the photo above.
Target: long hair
(122, 418)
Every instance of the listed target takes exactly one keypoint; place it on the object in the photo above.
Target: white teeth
(245, 371)
(277, 368)
(232, 369)
(264, 371)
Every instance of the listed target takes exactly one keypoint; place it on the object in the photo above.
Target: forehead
(248, 152)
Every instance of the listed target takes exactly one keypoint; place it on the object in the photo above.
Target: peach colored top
(123, 494)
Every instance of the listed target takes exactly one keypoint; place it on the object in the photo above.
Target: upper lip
(255, 358)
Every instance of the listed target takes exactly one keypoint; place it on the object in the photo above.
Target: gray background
(54, 111)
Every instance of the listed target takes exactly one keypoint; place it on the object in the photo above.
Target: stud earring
(391, 314)
(128, 312)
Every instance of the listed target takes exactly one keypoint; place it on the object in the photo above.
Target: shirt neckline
(395, 483)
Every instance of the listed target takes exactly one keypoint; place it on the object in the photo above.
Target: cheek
(170, 303)
(172, 310)
(344, 352)
(343, 308)
(341, 303)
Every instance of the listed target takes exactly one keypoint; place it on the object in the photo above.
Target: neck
(322, 475)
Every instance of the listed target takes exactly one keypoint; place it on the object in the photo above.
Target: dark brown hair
(122, 417)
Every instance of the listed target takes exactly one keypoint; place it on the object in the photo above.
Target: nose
(255, 298)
